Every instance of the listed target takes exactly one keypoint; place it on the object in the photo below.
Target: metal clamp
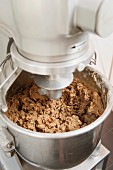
(7, 150)
(7, 142)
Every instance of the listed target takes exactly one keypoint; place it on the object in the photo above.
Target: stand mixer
(51, 41)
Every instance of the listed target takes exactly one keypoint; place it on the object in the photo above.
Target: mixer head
(52, 76)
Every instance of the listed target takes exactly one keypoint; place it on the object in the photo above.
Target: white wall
(104, 48)
(3, 46)
(111, 72)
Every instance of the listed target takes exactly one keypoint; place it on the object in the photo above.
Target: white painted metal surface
(95, 16)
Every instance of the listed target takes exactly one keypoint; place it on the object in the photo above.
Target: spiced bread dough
(79, 106)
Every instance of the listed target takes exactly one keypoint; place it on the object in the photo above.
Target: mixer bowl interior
(61, 150)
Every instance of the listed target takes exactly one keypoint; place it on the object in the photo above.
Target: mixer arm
(5, 85)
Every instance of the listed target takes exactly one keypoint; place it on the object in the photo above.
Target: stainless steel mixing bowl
(61, 150)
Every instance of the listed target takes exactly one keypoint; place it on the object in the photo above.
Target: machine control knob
(95, 16)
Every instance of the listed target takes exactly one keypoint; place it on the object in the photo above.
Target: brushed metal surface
(62, 150)
(98, 162)
(16, 163)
